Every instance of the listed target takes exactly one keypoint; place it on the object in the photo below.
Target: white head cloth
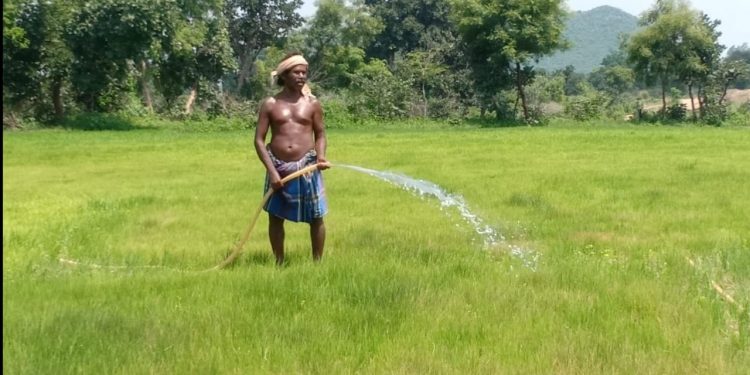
(290, 63)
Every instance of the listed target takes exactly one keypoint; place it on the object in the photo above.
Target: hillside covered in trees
(593, 35)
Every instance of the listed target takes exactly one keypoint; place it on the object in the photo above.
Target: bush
(377, 93)
(336, 112)
(590, 105)
(504, 104)
(740, 117)
(445, 108)
(585, 107)
(99, 121)
(715, 114)
(676, 112)
(241, 108)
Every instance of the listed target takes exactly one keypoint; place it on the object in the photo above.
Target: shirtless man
(298, 139)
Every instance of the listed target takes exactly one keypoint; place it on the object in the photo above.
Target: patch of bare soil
(738, 96)
(734, 96)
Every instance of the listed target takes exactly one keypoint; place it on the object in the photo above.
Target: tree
(36, 60)
(11, 32)
(107, 39)
(422, 68)
(740, 54)
(255, 25)
(198, 54)
(728, 73)
(700, 56)
(376, 92)
(675, 42)
(619, 58)
(613, 80)
(421, 45)
(572, 79)
(504, 37)
(407, 25)
(334, 41)
(439, 70)
(14, 39)
(22, 53)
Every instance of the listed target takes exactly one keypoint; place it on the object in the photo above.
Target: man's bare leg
(318, 238)
(276, 235)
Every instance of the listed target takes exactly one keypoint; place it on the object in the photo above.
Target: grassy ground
(632, 224)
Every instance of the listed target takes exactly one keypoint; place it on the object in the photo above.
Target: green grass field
(636, 227)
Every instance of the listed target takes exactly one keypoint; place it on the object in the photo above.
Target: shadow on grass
(100, 121)
(256, 258)
(266, 259)
(494, 123)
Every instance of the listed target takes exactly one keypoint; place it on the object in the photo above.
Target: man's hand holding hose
(275, 180)
(323, 164)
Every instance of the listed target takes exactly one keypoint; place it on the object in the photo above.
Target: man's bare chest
(301, 113)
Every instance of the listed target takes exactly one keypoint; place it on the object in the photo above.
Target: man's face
(296, 76)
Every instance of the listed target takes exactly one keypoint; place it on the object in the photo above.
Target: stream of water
(490, 236)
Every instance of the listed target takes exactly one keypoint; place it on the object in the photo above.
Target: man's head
(292, 69)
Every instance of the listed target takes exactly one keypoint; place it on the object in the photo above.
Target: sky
(734, 14)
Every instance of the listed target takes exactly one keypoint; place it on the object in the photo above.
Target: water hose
(238, 247)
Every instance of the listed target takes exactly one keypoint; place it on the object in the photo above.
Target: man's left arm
(319, 132)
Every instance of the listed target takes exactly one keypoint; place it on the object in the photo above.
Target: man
(298, 139)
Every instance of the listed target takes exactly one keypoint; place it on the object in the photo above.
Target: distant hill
(593, 35)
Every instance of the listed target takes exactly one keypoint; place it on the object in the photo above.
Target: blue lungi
(302, 199)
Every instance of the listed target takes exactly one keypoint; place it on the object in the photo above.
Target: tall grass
(618, 213)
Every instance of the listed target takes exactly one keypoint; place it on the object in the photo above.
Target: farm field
(641, 232)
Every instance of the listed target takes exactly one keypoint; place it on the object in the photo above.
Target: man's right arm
(261, 130)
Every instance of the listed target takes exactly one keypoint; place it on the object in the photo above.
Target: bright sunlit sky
(734, 14)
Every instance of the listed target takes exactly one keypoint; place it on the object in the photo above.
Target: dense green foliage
(673, 43)
(125, 31)
(502, 43)
(740, 55)
(255, 25)
(376, 59)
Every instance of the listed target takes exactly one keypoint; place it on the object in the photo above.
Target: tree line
(369, 58)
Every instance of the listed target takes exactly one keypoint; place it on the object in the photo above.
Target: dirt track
(733, 96)
(738, 96)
